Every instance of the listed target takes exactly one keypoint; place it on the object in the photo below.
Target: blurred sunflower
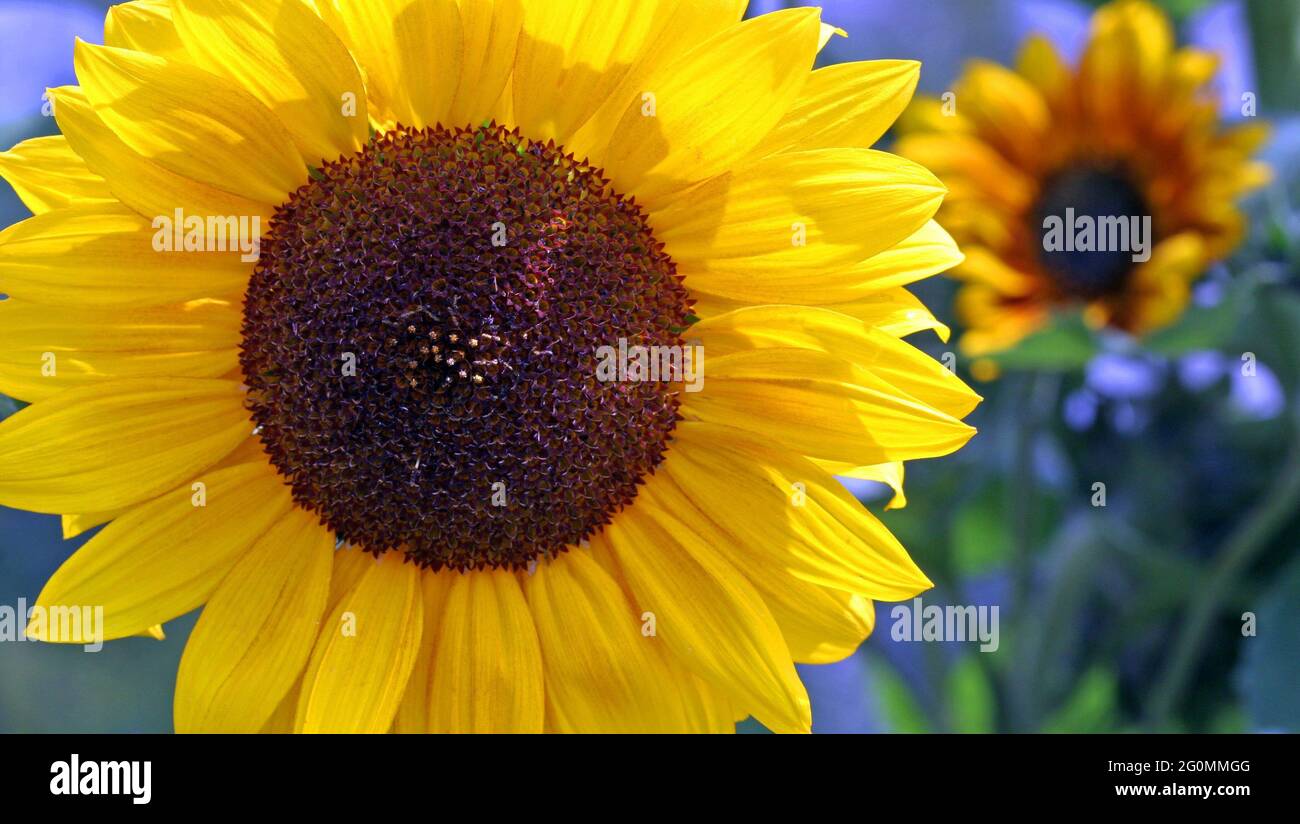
(380, 453)
(1132, 133)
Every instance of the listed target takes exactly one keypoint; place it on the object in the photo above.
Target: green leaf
(1275, 35)
(981, 532)
(972, 703)
(1090, 708)
(1205, 327)
(1066, 345)
(1275, 339)
(1228, 721)
(899, 708)
(1277, 239)
(1270, 666)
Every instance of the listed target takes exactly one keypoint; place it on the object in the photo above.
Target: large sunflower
(381, 454)
(1131, 133)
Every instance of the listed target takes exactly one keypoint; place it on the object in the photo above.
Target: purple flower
(1081, 409)
(1258, 396)
(1199, 371)
(1124, 377)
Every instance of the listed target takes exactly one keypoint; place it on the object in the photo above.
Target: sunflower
(1130, 135)
(377, 450)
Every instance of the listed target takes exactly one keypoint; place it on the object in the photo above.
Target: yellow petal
(487, 668)
(602, 673)
(798, 212)
(144, 25)
(164, 559)
(46, 349)
(413, 713)
(720, 710)
(571, 56)
(823, 407)
(281, 721)
(1126, 58)
(709, 616)
(903, 366)
(713, 105)
(490, 30)
(1043, 66)
(792, 512)
(847, 105)
(1189, 70)
(144, 186)
(926, 252)
(1006, 109)
(890, 474)
(47, 175)
(350, 564)
(820, 625)
(971, 167)
(249, 451)
(365, 652)
(104, 254)
(995, 323)
(988, 268)
(191, 122)
(678, 27)
(827, 32)
(254, 636)
(895, 312)
(1160, 290)
(290, 60)
(115, 443)
(412, 52)
(933, 114)
(75, 524)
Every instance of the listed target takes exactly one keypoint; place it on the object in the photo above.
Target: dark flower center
(1115, 207)
(420, 347)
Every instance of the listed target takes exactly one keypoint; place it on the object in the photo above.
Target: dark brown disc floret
(420, 345)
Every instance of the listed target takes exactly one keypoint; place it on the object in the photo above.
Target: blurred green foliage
(1176, 605)
(1270, 667)
(1275, 36)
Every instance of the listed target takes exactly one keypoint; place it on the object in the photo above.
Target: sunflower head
(475, 345)
(381, 454)
(1109, 185)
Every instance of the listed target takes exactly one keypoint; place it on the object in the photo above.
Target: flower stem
(1240, 550)
(1036, 403)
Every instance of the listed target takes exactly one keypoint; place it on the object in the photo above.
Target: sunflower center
(1098, 209)
(420, 347)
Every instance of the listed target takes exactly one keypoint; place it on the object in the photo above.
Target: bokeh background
(1126, 617)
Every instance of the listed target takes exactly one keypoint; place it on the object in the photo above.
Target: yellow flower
(380, 452)
(1131, 133)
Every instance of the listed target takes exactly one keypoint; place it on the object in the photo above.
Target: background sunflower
(1127, 616)
(1120, 153)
